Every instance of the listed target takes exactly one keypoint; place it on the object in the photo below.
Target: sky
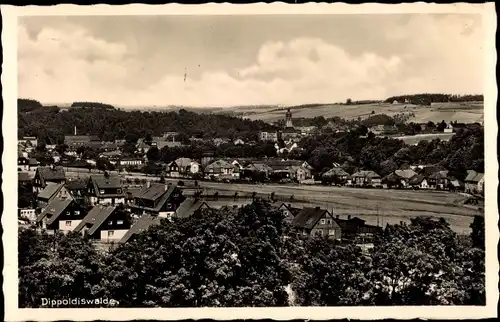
(216, 61)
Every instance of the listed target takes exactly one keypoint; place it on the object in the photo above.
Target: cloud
(442, 55)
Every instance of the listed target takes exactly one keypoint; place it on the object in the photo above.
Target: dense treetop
(253, 258)
(428, 98)
(111, 124)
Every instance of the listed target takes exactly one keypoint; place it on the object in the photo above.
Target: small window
(77, 212)
(304, 233)
(329, 221)
(331, 232)
(322, 221)
(68, 223)
(119, 222)
(110, 222)
(119, 191)
(102, 192)
(319, 233)
(111, 233)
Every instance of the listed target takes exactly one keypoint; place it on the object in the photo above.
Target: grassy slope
(446, 111)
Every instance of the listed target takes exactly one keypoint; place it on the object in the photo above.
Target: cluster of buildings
(413, 177)
(108, 211)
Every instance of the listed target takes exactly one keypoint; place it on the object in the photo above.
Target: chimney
(317, 208)
(148, 184)
(75, 130)
(348, 216)
(289, 205)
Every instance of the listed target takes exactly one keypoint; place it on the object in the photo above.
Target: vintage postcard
(309, 161)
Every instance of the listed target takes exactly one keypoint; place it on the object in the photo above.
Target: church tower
(288, 118)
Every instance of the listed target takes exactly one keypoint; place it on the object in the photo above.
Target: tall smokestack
(75, 130)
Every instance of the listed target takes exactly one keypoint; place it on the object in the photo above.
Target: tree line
(464, 151)
(112, 124)
(428, 98)
(220, 258)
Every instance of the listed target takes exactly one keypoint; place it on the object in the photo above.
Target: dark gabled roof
(293, 210)
(153, 192)
(417, 179)
(391, 178)
(103, 182)
(33, 161)
(164, 197)
(308, 217)
(23, 176)
(55, 208)
(96, 217)
(335, 172)
(50, 190)
(49, 173)
(141, 225)
(77, 184)
(439, 175)
(365, 174)
(189, 206)
(345, 222)
(473, 176)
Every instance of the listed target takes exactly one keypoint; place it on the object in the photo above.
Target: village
(113, 202)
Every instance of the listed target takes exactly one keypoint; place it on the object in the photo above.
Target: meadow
(460, 112)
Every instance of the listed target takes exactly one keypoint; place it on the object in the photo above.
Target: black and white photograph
(226, 159)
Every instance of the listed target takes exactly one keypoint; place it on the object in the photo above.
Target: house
(56, 156)
(238, 142)
(33, 164)
(77, 189)
(105, 190)
(439, 180)
(383, 129)
(76, 141)
(190, 206)
(357, 228)
(22, 160)
(455, 185)
(267, 136)
(286, 147)
(289, 133)
(223, 170)
(52, 191)
(316, 222)
(173, 169)
(44, 175)
(61, 215)
(29, 140)
(419, 182)
(335, 176)
(287, 211)
(130, 162)
(165, 141)
(143, 147)
(366, 178)
(50, 147)
(157, 199)
(404, 176)
(141, 225)
(256, 169)
(105, 223)
(187, 166)
(448, 128)
(474, 182)
(27, 213)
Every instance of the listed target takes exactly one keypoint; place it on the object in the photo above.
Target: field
(463, 113)
(392, 206)
(414, 139)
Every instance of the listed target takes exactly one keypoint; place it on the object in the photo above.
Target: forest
(111, 124)
(428, 98)
(219, 258)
